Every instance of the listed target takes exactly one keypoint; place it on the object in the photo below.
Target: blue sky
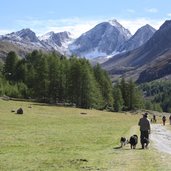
(78, 16)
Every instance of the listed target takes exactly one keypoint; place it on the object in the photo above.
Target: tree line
(158, 95)
(54, 78)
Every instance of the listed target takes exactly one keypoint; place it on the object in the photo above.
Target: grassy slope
(57, 138)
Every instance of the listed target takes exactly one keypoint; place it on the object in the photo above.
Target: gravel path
(161, 137)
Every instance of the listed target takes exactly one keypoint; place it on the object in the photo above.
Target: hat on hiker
(145, 114)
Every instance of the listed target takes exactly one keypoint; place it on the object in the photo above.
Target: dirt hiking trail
(161, 137)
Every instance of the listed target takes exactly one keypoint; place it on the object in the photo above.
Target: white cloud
(152, 10)
(76, 30)
(74, 25)
(135, 24)
(5, 31)
(77, 26)
(169, 14)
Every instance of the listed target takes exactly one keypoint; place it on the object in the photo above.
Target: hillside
(153, 54)
(141, 36)
(6, 47)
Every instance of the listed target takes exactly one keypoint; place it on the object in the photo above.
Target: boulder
(20, 111)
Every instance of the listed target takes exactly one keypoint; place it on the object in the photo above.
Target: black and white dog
(133, 141)
(123, 141)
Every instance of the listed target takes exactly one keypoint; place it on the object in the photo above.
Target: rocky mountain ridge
(101, 42)
(146, 63)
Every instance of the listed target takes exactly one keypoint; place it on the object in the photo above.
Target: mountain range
(143, 56)
(104, 40)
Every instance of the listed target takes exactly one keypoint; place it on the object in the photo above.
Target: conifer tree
(54, 79)
(10, 66)
(105, 85)
(21, 71)
(118, 101)
(125, 93)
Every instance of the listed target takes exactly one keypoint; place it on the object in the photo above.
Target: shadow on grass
(122, 148)
(43, 104)
(119, 147)
(142, 149)
(52, 104)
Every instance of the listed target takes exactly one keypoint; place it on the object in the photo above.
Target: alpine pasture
(61, 138)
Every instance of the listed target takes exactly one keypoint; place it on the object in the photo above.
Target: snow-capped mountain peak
(25, 39)
(27, 35)
(57, 41)
(62, 36)
(46, 36)
(24, 35)
(102, 40)
(114, 23)
(117, 25)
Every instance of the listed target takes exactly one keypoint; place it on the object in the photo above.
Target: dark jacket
(144, 124)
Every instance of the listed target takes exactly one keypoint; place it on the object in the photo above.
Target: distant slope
(158, 69)
(140, 60)
(141, 36)
(6, 47)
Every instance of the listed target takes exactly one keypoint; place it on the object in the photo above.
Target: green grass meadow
(54, 138)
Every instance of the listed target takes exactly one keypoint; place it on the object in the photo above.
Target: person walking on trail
(170, 119)
(154, 119)
(164, 120)
(145, 130)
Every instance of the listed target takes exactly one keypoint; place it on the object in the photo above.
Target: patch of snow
(66, 44)
(112, 55)
(94, 53)
(46, 36)
(114, 23)
(74, 46)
